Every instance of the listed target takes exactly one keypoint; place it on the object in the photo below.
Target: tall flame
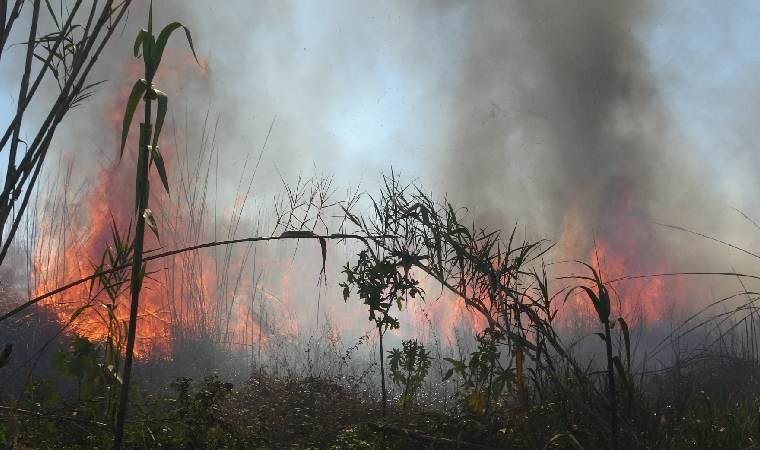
(69, 246)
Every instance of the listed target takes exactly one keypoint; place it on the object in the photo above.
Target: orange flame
(65, 255)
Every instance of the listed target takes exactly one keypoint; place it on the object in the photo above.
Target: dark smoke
(569, 113)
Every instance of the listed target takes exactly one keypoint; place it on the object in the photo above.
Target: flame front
(194, 295)
(210, 294)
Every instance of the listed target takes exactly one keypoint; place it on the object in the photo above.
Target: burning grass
(522, 383)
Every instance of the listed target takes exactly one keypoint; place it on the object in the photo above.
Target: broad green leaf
(151, 222)
(604, 303)
(159, 160)
(138, 42)
(163, 38)
(163, 104)
(149, 47)
(593, 297)
(134, 98)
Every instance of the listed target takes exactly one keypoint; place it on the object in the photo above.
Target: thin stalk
(137, 262)
(382, 367)
(39, 298)
(612, 392)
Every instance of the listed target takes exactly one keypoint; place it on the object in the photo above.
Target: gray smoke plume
(569, 115)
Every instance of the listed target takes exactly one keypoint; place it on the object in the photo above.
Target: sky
(706, 58)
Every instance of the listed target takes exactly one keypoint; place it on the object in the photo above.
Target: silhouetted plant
(601, 301)
(381, 282)
(67, 52)
(149, 155)
(482, 379)
(409, 366)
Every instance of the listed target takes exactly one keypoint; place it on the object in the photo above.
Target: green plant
(97, 382)
(381, 283)
(482, 379)
(199, 411)
(149, 156)
(78, 33)
(601, 301)
(409, 366)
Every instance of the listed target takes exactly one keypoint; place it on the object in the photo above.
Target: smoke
(546, 113)
(557, 120)
(516, 110)
(568, 114)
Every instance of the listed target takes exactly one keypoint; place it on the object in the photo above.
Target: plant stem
(612, 392)
(382, 367)
(141, 201)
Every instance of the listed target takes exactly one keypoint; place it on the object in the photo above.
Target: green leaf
(151, 222)
(159, 160)
(47, 64)
(142, 185)
(163, 103)
(139, 41)
(163, 38)
(134, 98)
(150, 18)
(594, 299)
(149, 49)
(604, 303)
(626, 339)
(52, 14)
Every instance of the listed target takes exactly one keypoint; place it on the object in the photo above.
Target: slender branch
(36, 152)
(23, 90)
(7, 26)
(40, 76)
(334, 236)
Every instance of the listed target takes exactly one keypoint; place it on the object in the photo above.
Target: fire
(210, 294)
(624, 245)
(187, 296)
